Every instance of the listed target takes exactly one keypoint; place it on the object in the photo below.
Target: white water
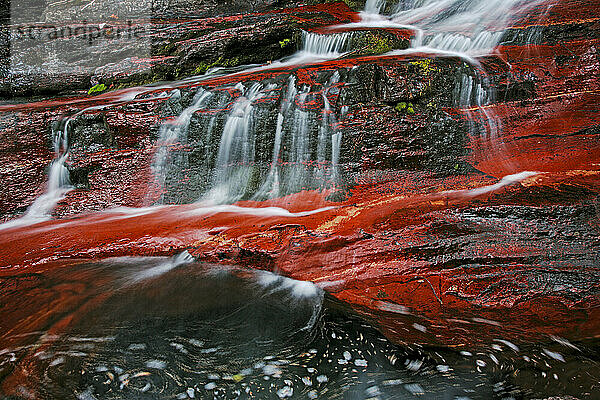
(270, 188)
(505, 181)
(328, 123)
(156, 270)
(374, 6)
(58, 183)
(176, 133)
(58, 177)
(326, 45)
(460, 27)
(298, 293)
(255, 211)
(295, 165)
(233, 170)
(472, 27)
(336, 145)
(316, 48)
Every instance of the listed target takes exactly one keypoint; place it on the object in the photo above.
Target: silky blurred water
(162, 328)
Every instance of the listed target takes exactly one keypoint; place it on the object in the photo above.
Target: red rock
(411, 242)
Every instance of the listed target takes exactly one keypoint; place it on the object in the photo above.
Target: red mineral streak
(347, 245)
(557, 129)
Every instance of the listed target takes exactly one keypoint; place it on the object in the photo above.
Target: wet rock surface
(419, 232)
(49, 59)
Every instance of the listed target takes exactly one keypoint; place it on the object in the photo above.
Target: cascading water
(374, 6)
(175, 133)
(233, 167)
(467, 28)
(132, 327)
(58, 177)
(463, 28)
(58, 182)
(328, 121)
(270, 188)
(326, 45)
(304, 142)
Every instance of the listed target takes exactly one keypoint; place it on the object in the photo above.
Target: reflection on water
(171, 328)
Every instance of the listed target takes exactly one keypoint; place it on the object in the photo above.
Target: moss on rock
(405, 107)
(220, 62)
(97, 89)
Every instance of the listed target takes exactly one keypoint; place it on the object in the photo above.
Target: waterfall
(472, 27)
(233, 167)
(463, 28)
(458, 26)
(175, 133)
(336, 145)
(58, 182)
(463, 44)
(58, 177)
(271, 186)
(305, 146)
(327, 121)
(329, 45)
(374, 6)
(306, 158)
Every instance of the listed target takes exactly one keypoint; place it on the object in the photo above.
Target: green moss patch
(404, 107)
(97, 89)
(220, 62)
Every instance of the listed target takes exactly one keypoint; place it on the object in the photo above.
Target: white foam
(160, 269)
(255, 211)
(506, 181)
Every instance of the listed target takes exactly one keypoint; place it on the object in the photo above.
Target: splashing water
(472, 27)
(171, 134)
(325, 45)
(160, 269)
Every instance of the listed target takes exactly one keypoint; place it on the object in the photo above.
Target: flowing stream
(463, 28)
(172, 327)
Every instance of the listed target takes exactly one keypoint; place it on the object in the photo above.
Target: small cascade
(374, 6)
(475, 93)
(328, 45)
(58, 177)
(463, 44)
(306, 160)
(174, 134)
(257, 146)
(59, 183)
(469, 27)
(336, 145)
(271, 186)
(472, 95)
(463, 28)
(298, 142)
(327, 122)
(233, 167)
